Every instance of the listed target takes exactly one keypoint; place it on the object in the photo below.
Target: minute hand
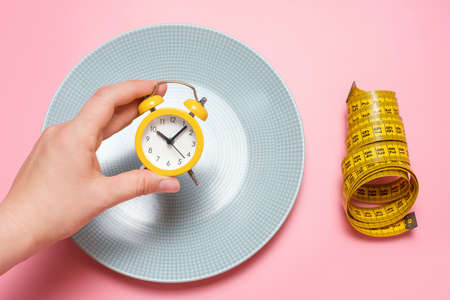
(178, 151)
(177, 134)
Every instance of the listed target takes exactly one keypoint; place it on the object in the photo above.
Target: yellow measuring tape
(379, 187)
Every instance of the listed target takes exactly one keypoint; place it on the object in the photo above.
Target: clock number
(179, 161)
(158, 157)
(150, 150)
(162, 121)
(153, 128)
(191, 132)
(172, 119)
(147, 138)
(184, 122)
(168, 163)
(188, 154)
(193, 143)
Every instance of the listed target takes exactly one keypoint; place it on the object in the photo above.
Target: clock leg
(192, 175)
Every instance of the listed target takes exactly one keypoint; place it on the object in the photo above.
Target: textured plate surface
(249, 173)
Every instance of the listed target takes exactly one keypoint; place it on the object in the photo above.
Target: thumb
(136, 183)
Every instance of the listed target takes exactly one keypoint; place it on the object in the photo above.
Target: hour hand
(164, 137)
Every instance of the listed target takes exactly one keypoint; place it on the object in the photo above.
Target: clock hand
(169, 142)
(178, 150)
(164, 137)
(177, 134)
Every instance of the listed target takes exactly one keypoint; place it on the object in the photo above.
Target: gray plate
(249, 173)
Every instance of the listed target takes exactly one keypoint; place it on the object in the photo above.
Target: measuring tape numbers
(379, 186)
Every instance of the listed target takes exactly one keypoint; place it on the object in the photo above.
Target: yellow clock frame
(185, 116)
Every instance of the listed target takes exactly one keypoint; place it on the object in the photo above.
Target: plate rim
(301, 171)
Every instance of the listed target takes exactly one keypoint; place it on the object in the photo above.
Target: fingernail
(161, 87)
(168, 186)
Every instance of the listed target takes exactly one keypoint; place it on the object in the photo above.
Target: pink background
(318, 49)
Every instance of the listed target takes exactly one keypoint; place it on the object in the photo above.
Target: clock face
(169, 142)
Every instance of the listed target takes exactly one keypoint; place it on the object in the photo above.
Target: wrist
(18, 240)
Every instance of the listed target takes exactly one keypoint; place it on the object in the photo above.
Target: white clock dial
(163, 147)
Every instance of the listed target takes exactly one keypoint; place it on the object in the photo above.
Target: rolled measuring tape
(379, 186)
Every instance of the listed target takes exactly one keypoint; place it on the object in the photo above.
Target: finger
(136, 183)
(99, 109)
(123, 116)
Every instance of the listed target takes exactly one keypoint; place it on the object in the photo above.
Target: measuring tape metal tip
(351, 89)
(410, 221)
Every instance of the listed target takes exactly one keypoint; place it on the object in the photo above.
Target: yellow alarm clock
(169, 141)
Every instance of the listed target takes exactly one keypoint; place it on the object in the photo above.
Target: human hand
(60, 186)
